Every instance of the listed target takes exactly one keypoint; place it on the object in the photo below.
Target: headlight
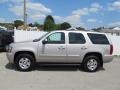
(9, 48)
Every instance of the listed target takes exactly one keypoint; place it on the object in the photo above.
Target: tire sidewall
(32, 62)
(87, 58)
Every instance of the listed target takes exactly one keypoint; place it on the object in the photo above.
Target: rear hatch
(101, 40)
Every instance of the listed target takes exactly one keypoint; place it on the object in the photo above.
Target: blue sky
(85, 13)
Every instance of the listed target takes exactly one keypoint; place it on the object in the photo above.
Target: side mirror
(45, 41)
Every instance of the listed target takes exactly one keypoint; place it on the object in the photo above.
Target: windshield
(41, 37)
(44, 35)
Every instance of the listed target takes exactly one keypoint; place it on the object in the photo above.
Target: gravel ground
(59, 77)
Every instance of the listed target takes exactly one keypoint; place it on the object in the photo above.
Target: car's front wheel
(91, 63)
(24, 62)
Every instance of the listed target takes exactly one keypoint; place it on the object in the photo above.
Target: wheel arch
(98, 54)
(24, 52)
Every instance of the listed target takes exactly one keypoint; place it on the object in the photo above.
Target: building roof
(110, 31)
(116, 28)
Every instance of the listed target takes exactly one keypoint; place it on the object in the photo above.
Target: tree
(49, 23)
(36, 24)
(9, 26)
(65, 25)
(18, 23)
(98, 29)
(80, 28)
(31, 25)
(39, 26)
(57, 26)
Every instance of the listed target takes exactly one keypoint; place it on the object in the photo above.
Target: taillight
(111, 49)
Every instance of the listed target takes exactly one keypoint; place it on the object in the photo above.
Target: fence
(21, 35)
(116, 44)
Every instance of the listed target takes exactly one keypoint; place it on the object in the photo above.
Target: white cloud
(92, 20)
(2, 20)
(83, 11)
(114, 6)
(38, 7)
(95, 7)
(37, 17)
(58, 19)
(18, 1)
(75, 18)
(35, 11)
(3, 1)
(117, 23)
(13, 1)
(17, 10)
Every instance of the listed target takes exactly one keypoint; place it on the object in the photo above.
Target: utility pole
(25, 15)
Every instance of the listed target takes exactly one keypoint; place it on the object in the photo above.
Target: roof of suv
(78, 31)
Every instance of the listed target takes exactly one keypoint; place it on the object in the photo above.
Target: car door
(54, 48)
(76, 47)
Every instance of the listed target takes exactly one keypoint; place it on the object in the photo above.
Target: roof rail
(71, 29)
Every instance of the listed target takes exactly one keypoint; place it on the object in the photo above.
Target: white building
(113, 31)
(3, 28)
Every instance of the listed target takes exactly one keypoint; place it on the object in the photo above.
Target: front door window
(56, 38)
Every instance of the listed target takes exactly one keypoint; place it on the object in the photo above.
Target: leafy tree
(98, 29)
(80, 28)
(31, 25)
(39, 26)
(65, 25)
(36, 24)
(18, 23)
(57, 26)
(9, 26)
(49, 23)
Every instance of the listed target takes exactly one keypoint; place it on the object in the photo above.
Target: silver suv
(90, 49)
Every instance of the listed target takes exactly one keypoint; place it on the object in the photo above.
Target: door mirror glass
(45, 41)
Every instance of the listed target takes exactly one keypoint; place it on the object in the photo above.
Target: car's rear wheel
(24, 62)
(91, 63)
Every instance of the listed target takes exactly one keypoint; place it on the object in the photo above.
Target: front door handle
(61, 48)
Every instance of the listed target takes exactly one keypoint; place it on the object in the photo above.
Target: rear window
(98, 38)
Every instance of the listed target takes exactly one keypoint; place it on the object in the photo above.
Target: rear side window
(76, 38)
(98, 38)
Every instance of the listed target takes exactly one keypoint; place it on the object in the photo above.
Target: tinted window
(56, 38)
(76, 38)
(98, 38)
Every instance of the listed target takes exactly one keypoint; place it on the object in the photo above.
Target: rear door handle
(62, 48)
(83, 48)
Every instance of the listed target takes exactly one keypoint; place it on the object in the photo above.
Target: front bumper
(10, 57)
(108, 58)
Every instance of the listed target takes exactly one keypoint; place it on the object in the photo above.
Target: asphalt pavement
(59, 77)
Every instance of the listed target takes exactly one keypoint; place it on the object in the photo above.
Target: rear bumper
(107, 58)
(10, 57)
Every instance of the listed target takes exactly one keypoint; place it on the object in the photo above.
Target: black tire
(29, 57)
(87, 59)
